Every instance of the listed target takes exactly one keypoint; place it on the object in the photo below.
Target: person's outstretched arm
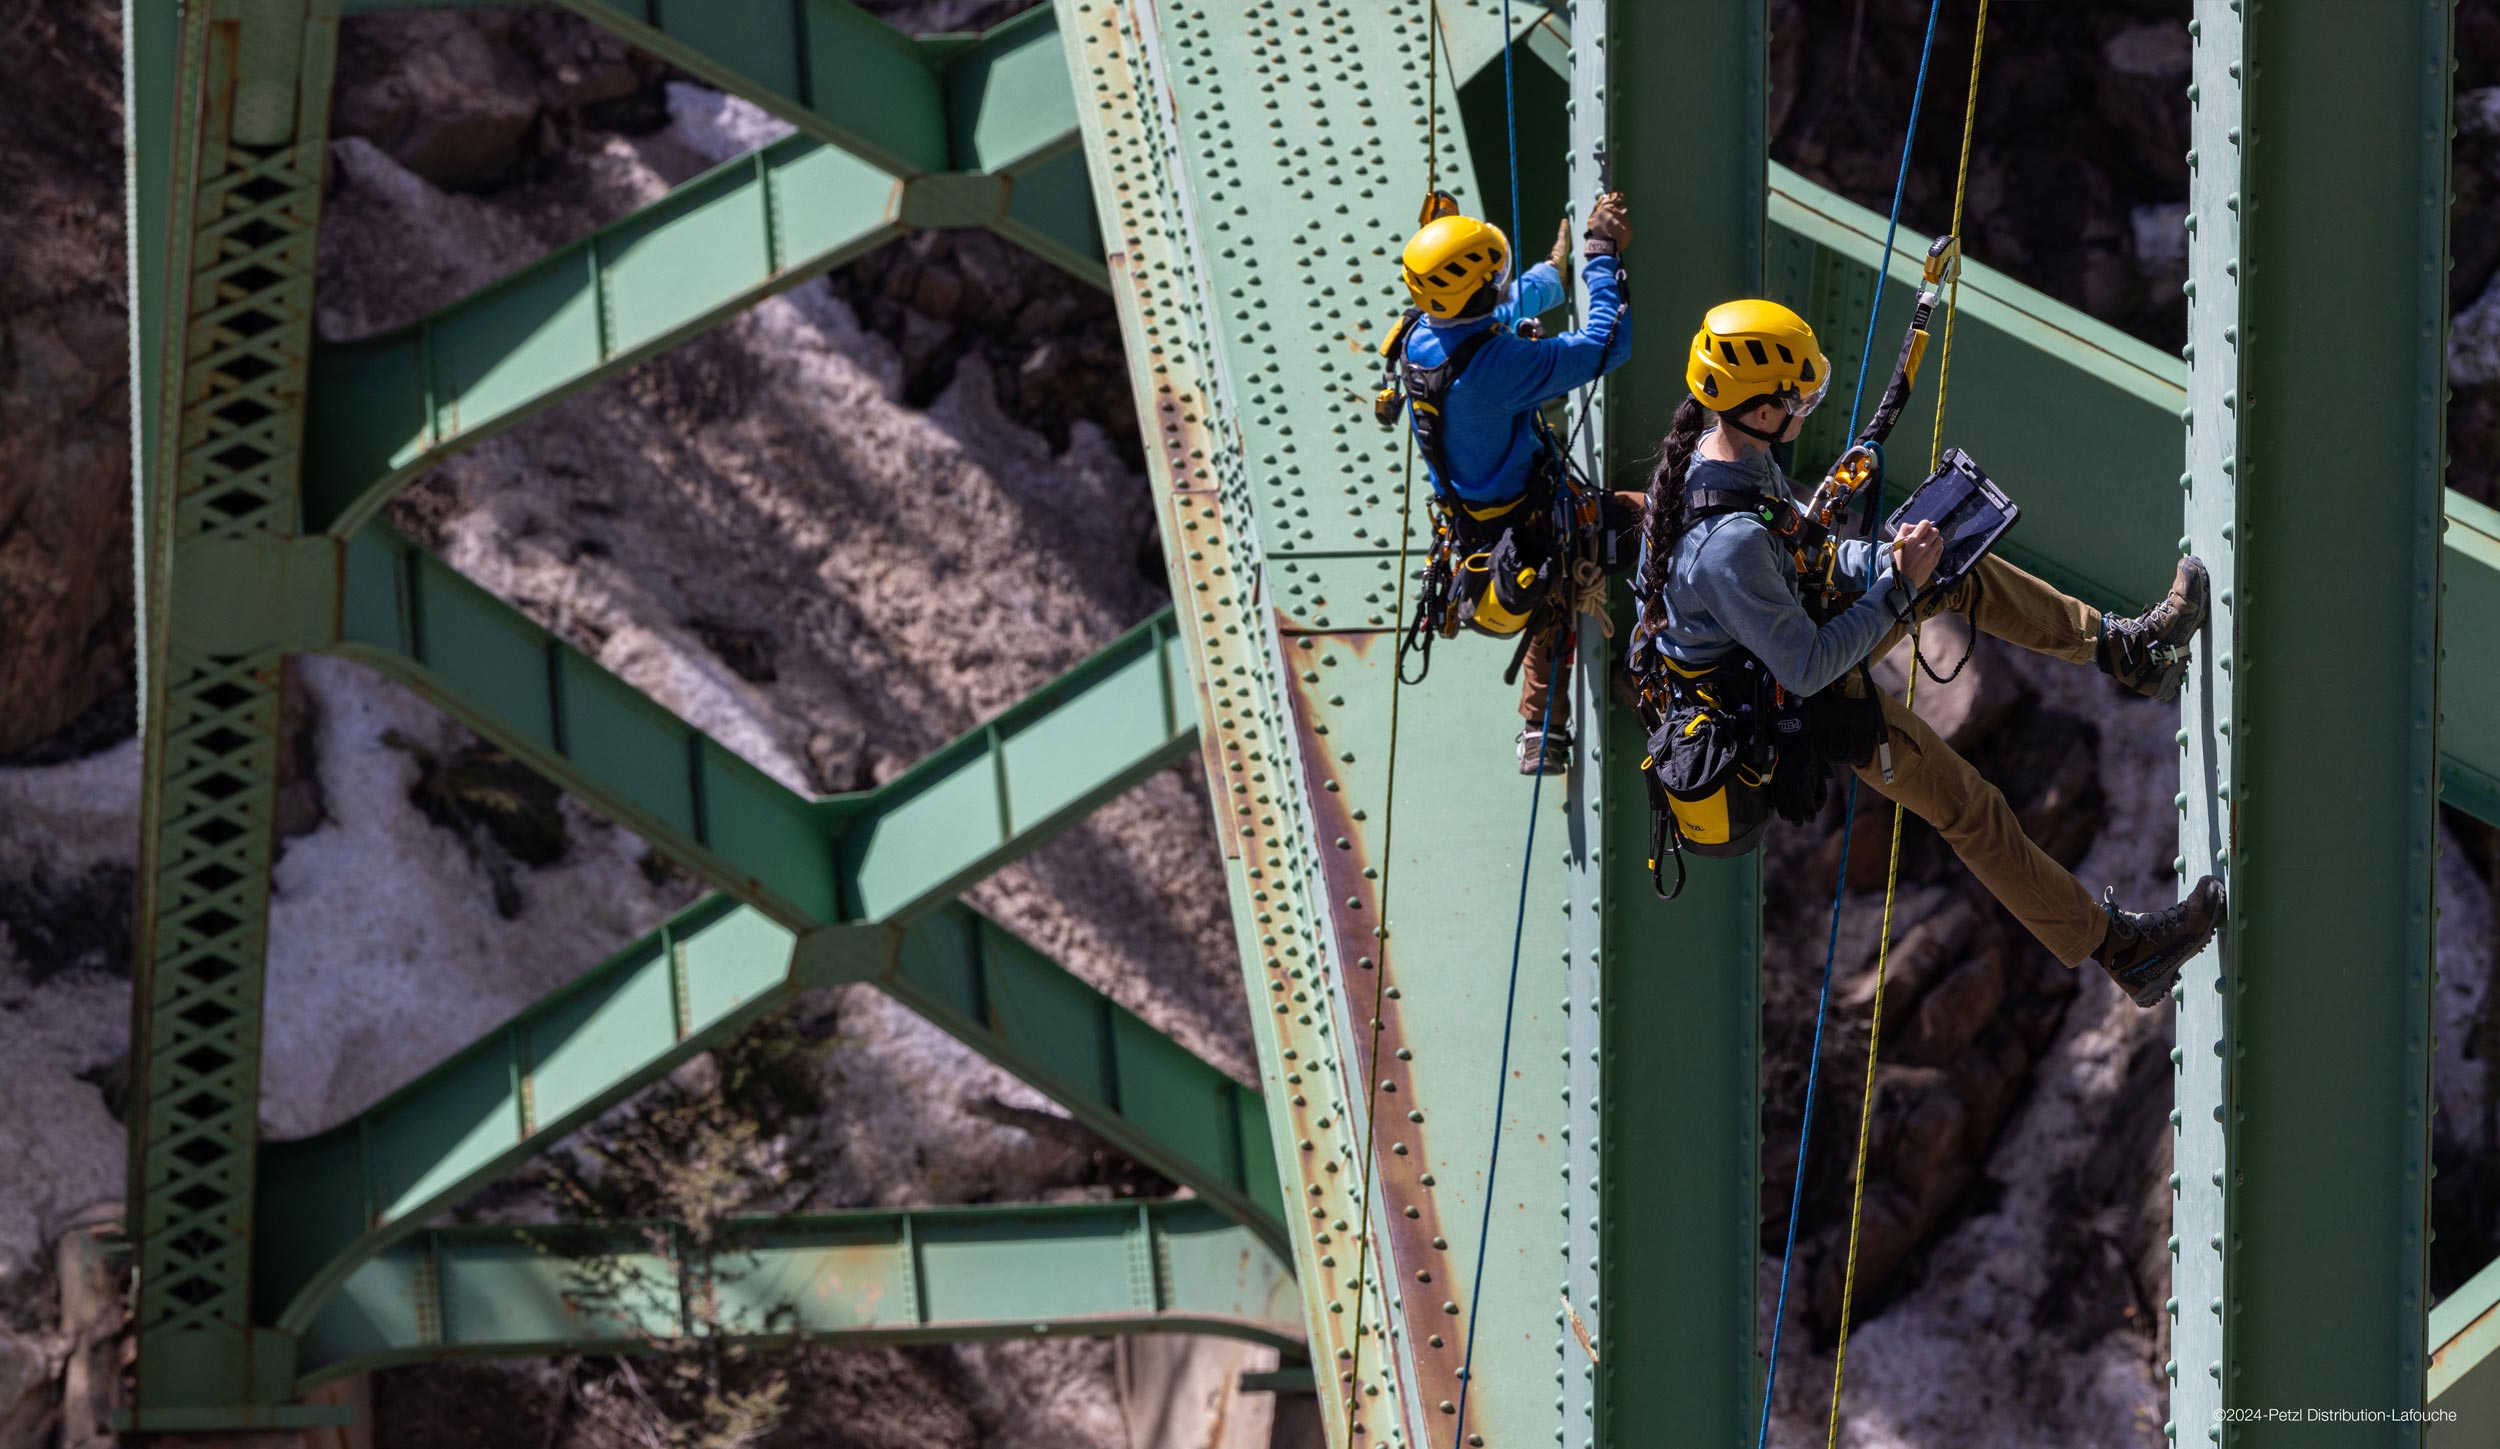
(1535, 373)
(1746, 583)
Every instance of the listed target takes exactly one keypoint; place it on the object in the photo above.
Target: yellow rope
(1364, 1252)
(1909, 702)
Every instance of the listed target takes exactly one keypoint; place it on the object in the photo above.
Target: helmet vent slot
(1786, 355)
(1760, 357)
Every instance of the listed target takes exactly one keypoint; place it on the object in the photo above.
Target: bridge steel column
(2316, 389)
(229, 106)
(1672, 1090)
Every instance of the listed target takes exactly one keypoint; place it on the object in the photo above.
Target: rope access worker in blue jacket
(1476, 384)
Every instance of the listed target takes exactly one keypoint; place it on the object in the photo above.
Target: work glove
(1560, 257)
(1610, 227)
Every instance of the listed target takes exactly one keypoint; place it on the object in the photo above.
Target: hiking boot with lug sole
(2144, 951)
(1548, 753)
(2149, 653)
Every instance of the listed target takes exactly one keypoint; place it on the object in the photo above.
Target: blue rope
(1536, 793)
(1501, 1085)
(1849, 812)
(1510, 117)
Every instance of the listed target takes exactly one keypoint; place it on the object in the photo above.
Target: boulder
(446, 95)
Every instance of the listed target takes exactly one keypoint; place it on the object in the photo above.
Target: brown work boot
(2143, 951)
(2149, 653)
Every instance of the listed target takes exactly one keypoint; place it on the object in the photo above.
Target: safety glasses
(1803, 404)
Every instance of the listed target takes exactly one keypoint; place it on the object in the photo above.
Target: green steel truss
(227, 102)
(2303, 1123)
(230, 132)
(924, 1275)
(1665, 1228)
(1240, 152)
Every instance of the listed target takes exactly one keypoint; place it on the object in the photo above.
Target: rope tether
(1388, 810)
(1563, 642)
(1892, 867)
(1849, 812)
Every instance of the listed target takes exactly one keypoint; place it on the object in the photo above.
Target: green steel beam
(228, 103)
(878, 856)
(412, 617)
(2081, 422)
(2303, 1126)
(2072, 414)
(1157, 255)
(388, 407)
(925, 1275)
(2464, 1378)
(2469, 673)
(1666, 1059)
(338, 1199)
(960, 121)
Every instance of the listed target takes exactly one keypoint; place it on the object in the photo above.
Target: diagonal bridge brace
(922, 1275)
(979, 130)
(894, 135)
(851, 888)
(344, 1200)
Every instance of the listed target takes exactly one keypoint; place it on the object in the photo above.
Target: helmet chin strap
(1731, 419)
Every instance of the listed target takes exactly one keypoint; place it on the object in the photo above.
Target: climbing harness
(1718, 733)
(1892, 866)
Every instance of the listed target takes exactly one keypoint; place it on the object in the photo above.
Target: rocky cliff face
(855, 521)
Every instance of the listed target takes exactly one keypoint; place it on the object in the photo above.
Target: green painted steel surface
(1680, 1026)
(386, 408)
(1156, 255)
(229, 112)
(928, 1275)
(1250, 152)
(2303, 1126)
(2464, 1377)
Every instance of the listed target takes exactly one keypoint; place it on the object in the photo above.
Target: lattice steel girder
(882, 855)
(2313, 493)
(386, 408)
(958, 119)
(339, 1198)
(1676, 92)
(926, 1275)
(228, 104)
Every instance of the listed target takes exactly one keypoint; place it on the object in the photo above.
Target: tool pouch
(1715, 780)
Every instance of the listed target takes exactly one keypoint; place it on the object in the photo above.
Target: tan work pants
(1938, 786)
(1537, 673)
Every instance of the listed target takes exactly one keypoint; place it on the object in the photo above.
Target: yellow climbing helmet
(1450, 258)
(1754, 348)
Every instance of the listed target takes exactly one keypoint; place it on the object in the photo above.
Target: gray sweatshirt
(1730, 583)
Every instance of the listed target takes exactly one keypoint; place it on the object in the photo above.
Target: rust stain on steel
(1194, 556)
(1417, 1268)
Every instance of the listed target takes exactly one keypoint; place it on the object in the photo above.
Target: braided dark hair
(1666, 509)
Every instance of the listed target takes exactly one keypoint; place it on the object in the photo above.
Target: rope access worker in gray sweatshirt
(1722, 603)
